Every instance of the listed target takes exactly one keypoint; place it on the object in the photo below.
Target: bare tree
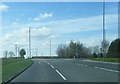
(105, 46)
(11, 54)
(96, 49)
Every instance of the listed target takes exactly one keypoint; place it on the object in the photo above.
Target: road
(69, 70)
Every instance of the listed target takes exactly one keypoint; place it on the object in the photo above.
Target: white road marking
(85, 65)
(81, 64)
(52, 66)
(44, 61)
(96, 67)
(101, 68)
(107, 69)
(67, 62)
(39, 62)
(100, 61)
(61, 75)
(117, 71)
(48, 63)
(77, 64)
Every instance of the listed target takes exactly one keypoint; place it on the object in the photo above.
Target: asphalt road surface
(69, 70)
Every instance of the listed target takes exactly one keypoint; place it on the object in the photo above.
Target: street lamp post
(16, 49)
(77, 49)
(50, 48)
(104, 31)
(29, 42)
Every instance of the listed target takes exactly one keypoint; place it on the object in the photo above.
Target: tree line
(78, 50)
(11, 54)
(73, 50)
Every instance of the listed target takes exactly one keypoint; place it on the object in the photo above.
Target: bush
(114, 49)
(22, 53)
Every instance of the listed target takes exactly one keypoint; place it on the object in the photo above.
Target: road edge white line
(61, 75)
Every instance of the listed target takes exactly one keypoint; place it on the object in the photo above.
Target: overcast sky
(58, 22)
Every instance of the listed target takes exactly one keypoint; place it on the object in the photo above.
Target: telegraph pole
(41, 54)
(50, 48)
(36, 54)
(16, 50)
(118, 29)
(104, 31)
(77, 49)
(29, 42)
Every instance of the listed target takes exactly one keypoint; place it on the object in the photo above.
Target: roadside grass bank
(13, 66)
(116, 60)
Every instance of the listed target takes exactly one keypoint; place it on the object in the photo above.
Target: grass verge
(116, 60)
(12, 66)
(0, 70)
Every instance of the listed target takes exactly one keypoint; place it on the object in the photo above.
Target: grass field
(12, 66)
(117, 60)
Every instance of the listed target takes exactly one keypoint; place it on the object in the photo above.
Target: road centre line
(58, 72)
(52, 66)
(61, 75)
(46, 63)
